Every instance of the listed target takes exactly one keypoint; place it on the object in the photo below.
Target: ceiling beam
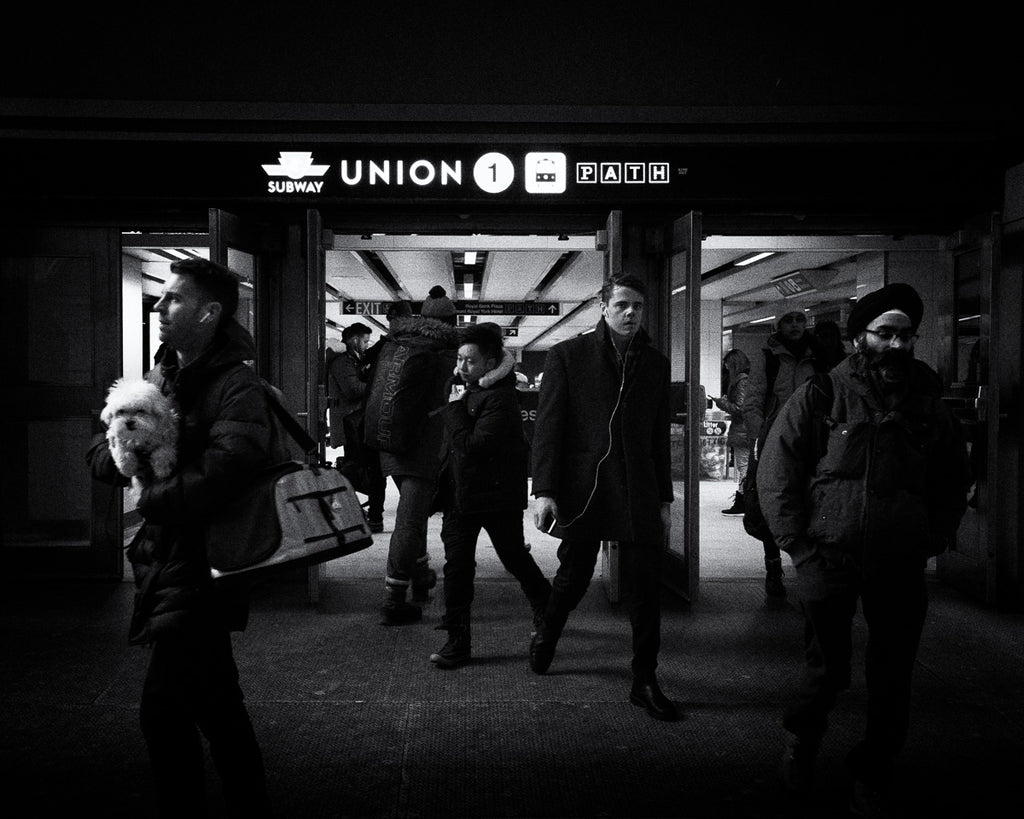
(476, 242)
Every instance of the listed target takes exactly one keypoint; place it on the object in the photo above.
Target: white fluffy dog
(142, 430)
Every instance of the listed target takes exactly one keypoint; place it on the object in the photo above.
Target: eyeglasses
(906, 336)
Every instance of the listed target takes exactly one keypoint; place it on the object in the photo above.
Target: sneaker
(798, 764)
(399, 614)
(737, 507)
(375, 526)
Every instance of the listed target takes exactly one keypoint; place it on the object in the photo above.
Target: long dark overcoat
(609, 490)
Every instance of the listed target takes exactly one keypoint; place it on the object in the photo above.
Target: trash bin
(714, 447)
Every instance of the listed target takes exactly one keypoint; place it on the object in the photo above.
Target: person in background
(602, 471)
(860, 517)
(738, 366)
(228, 433)
(346, 394)
(483, 484)
(787, 360)
(427, 344)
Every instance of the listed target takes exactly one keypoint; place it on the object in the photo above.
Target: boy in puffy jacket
(483, 484)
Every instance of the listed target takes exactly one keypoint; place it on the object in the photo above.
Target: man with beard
(860, 521)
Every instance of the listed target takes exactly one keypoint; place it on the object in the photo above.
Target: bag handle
(293, 427)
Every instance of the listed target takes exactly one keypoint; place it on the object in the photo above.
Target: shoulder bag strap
(293, 427)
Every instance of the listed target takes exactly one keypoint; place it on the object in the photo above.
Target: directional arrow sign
(508, 308)
(365, 308)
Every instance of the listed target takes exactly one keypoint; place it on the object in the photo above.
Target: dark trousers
(894, 605)
(642, 564)
(192, 686)
(771, 549)
(459, 533)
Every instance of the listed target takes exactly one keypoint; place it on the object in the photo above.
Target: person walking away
(410, 366)
(483, 485)
(347, 392)
(860, 514)
(602, 471)
(738, 367)
(788, 359)
(227, 434)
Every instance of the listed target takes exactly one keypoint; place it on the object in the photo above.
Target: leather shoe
(647, 694)
(542, 650)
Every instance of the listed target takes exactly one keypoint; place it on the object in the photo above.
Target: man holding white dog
(227, 433)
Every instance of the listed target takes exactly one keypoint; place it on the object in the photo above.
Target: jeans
(460, 533)
(642, 562)
(894, 605)
(407, 551)
(191, 686)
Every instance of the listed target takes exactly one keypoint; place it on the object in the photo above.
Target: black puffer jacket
(892, 485)
(227, 434)
(484, 467)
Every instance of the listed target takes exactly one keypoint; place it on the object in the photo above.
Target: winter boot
(395, 611)
(423, 580)
(773, 578)
(456, 651)
(737, 507)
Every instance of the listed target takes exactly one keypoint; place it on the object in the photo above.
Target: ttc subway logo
(545, 172)
(296, 165)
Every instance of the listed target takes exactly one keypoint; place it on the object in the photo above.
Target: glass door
(973, 393)
(680, 298)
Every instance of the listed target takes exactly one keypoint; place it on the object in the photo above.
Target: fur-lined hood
(431, 329)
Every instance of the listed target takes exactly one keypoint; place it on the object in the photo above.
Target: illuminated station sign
(468, 173)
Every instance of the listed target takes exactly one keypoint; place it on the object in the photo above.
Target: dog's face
(135, 410)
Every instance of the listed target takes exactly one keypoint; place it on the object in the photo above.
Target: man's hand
(545, 514)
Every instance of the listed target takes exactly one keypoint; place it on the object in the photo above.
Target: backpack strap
(822, 393)
(771, 370)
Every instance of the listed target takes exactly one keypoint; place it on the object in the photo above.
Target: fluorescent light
(755, 258)
(467, 289)
(969, 318)
(470, 257)
(679, 290)
(763, 320)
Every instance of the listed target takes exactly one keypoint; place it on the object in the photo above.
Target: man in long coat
(602, 471)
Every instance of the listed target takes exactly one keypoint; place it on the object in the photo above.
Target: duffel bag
(292, 515)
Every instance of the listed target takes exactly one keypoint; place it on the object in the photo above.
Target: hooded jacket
(484, 466)
(605, 489)
(228, 433)
(891, 487)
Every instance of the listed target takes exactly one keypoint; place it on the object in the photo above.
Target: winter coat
(227, 434)
(891, 486)
(763, 401)
(604, 492)
(346, 391)
(424, 460)
(732, 403)
(484, 466)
